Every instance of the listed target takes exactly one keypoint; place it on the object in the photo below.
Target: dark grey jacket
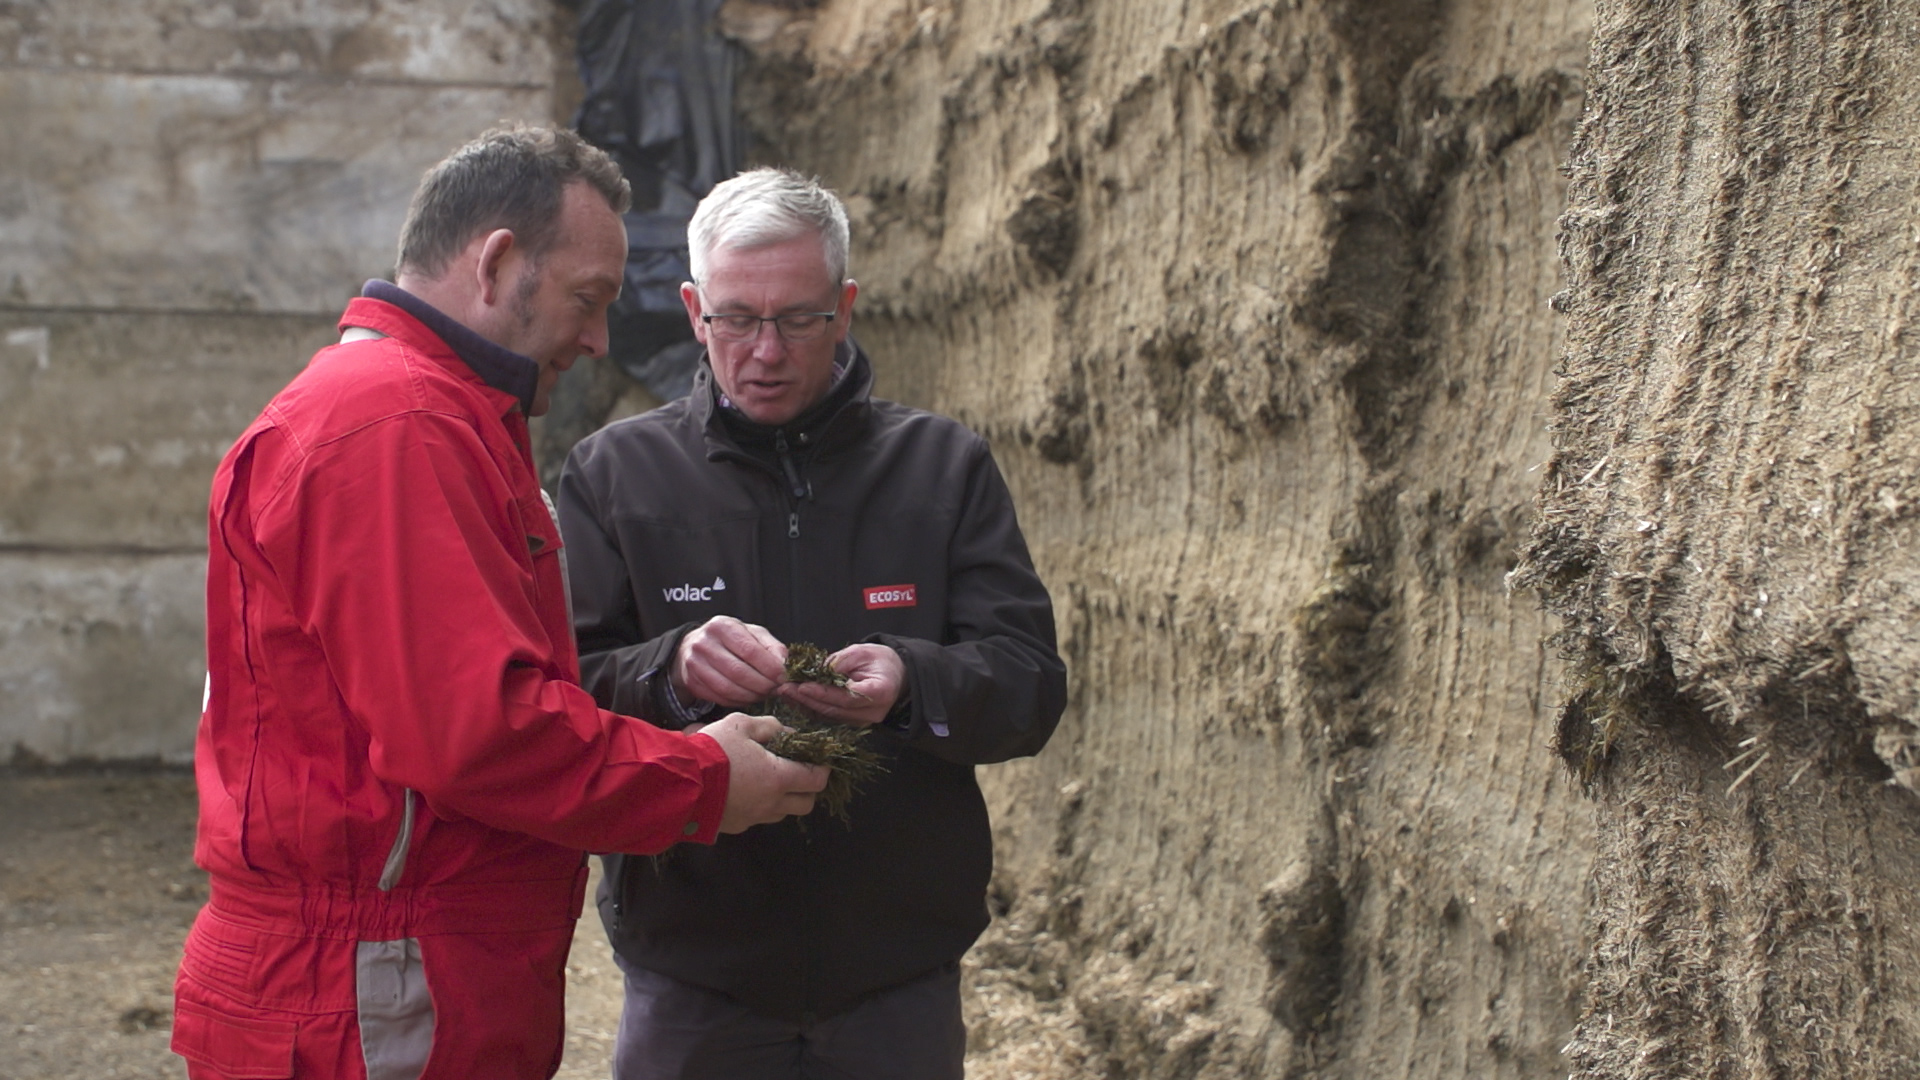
(818, 531)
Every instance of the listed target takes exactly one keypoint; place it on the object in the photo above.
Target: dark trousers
(670, 1030)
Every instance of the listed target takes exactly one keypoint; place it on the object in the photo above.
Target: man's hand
(875, 675)
(761, 788)
(728, 662)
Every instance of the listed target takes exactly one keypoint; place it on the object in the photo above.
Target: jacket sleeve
(405, 552)
(996, 687)
(622, 671)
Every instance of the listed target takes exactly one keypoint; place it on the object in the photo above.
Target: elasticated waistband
(367, 914)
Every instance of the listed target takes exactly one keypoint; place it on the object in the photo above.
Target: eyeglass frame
(707, 317)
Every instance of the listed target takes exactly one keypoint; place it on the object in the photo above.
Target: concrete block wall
(191, 192)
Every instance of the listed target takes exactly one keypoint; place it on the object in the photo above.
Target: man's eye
(739, 324)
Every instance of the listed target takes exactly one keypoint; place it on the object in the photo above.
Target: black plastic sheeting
(659, 80)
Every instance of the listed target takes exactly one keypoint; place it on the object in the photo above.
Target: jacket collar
(499, 367)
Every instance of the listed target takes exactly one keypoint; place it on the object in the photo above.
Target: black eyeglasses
(797, 326)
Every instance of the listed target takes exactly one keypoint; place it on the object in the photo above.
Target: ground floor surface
(97, 890)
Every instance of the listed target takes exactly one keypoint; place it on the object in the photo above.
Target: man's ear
(487, 270)
(847, 292)
(690, 296)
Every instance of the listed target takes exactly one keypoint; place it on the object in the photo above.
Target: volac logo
(886, 596)
(681, 594)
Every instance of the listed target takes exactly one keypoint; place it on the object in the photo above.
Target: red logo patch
(885, 596)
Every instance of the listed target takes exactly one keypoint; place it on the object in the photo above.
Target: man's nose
(594, 336)
(768, 345)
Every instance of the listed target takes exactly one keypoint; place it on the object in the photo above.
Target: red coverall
(387, 627)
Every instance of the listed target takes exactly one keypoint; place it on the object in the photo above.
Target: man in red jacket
(398, 772)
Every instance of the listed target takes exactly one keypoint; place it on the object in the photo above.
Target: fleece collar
(499, 367)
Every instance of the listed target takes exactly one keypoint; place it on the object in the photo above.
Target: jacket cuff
(664, 707)
(677, 714)
(703, 827)
(921, 709)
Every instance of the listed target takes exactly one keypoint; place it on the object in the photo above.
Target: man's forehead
(601, 240)
(803, 248)
(598, 265)
(790, 267)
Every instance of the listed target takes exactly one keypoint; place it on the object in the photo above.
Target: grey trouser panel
(390, 986)
(396, 1011)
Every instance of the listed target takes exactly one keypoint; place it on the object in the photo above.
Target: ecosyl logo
(891, 596)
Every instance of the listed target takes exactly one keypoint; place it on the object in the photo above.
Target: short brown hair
(509, 178)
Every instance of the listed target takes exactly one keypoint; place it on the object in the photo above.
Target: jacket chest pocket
(552, 595)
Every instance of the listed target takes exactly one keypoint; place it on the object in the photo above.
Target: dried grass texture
(1727, 527)
(1735, 489)
(816, 741)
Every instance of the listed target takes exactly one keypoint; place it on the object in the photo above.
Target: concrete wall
(190, 193)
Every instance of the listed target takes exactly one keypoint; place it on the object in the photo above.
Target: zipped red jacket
(393, 694)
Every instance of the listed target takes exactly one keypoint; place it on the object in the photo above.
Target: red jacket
(386, 613)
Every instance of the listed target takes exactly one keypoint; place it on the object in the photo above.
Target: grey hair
(766, 206)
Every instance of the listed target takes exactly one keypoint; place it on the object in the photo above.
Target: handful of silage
(821, 742)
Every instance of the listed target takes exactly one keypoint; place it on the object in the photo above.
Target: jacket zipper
(798, 489)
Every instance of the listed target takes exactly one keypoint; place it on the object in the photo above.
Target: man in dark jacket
(780, 503)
